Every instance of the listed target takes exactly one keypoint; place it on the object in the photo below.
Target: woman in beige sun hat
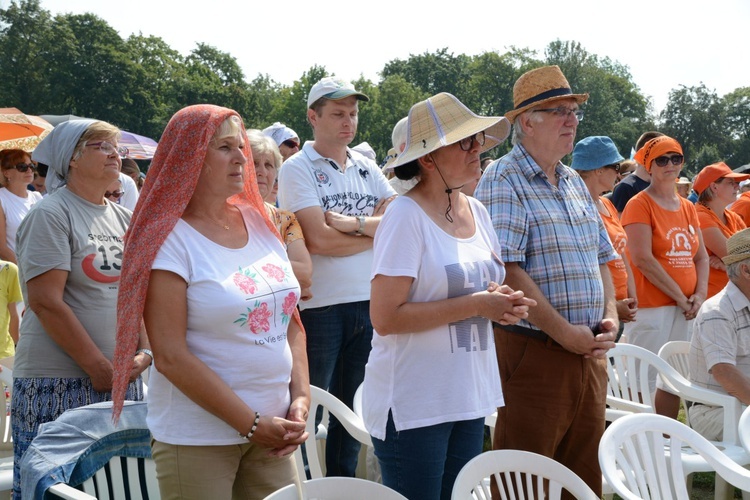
(432, 374)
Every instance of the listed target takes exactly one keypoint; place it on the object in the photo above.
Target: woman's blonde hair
(230, 127)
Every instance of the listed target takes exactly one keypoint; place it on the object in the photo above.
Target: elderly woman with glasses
(15, 198)
(432, 375)
(69, 255)
(668, 258)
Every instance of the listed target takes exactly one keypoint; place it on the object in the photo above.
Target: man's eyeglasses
(563, 112)
(467, 143)
(663, 161)
(290, 143)
(108, 148)
(25, 167)
(614, 166)
(114, 194)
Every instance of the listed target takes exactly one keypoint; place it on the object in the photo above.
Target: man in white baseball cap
(338, 196)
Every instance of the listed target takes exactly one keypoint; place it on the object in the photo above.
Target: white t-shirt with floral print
(240, 303)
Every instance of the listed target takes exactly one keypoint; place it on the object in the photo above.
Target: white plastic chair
(628, 379)
(120, 479)
(520, 474)
(635, 458)
(744, 428)
(6, 441)
(81, 439)
(336, 488)
(351, 422)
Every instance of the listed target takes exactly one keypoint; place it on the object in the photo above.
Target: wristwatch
(361, 219)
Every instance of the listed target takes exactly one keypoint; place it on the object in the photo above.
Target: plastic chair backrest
(521, 474)
(351, 422)
(122, 478)
(635, 457)
(336, 488)
(744, 429)
(676, 354)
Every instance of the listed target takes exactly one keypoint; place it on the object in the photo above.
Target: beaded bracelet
(253, 428)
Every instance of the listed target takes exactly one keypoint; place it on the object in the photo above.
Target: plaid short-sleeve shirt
(554, 233)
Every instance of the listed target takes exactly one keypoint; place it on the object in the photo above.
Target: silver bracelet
(146, 351)
(361, 219)
(252, 429)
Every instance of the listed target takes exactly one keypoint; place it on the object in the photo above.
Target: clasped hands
(504, 305)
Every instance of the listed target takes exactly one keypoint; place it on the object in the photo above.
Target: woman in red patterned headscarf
(205, 268)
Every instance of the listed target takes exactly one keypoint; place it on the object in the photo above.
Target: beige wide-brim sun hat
(442, 120)
(539, 86)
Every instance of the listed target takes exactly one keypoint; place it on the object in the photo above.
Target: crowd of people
(246, 266)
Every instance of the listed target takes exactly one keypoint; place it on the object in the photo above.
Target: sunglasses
(25, 167)
(614, 166)
(663, 161)
(290, 143)
(467, 143)
(114, 194)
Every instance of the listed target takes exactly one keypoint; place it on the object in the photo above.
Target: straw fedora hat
(443, 120)
(539, 86)
(738, 247)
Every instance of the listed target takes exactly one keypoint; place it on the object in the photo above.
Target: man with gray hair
(720, 347)
(555, 248)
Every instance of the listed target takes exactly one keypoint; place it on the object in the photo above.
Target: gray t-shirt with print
(68, 233)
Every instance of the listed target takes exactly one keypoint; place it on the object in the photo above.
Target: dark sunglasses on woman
(23, 167)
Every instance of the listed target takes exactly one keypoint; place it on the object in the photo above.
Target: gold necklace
(221, 224)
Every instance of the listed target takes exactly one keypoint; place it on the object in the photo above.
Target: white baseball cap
(333, 88)
(280, 133)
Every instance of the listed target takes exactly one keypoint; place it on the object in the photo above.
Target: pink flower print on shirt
(274, 272)
(245, 282)
(256, 319)
(290, 302)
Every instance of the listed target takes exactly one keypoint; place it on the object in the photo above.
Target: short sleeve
(508, 216)
(637, 211)
(399, 243)
(173, 256)
(14, 287)
(43, 242)
(297, 186)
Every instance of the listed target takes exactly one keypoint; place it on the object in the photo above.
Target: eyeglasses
(563, 112)
(467, 143)
(290, 143)
(663, 161)
(108, 149)
(25, 167)
(614, 166)
(114, 194)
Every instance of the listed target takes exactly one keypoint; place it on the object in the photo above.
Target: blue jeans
(339, 339)
(423, 463)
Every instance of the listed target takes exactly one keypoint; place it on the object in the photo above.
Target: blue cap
(595, 152)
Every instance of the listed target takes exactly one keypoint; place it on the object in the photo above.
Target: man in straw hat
(556, 250)
(338, 196)
(720, 347)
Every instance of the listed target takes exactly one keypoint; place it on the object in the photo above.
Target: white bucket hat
(442, 120)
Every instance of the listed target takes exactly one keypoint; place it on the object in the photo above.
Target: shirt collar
(739, 300)
(530, 168)
(314, 156)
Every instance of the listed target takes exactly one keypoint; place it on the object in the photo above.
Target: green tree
(696, 117)
(432, 73)
(25, 40)
(290, 107)
(737, 108)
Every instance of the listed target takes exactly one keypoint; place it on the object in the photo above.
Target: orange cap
(713, 173)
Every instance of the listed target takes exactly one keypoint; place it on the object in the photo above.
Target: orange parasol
(20, 131)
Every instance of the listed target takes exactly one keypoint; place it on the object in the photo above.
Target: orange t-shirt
(717, 279)
(742, 207)
(619, 241)
(674, 243)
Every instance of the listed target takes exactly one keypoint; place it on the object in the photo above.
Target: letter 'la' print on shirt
(470, 334)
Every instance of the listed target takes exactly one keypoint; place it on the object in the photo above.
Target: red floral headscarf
(170, 183)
